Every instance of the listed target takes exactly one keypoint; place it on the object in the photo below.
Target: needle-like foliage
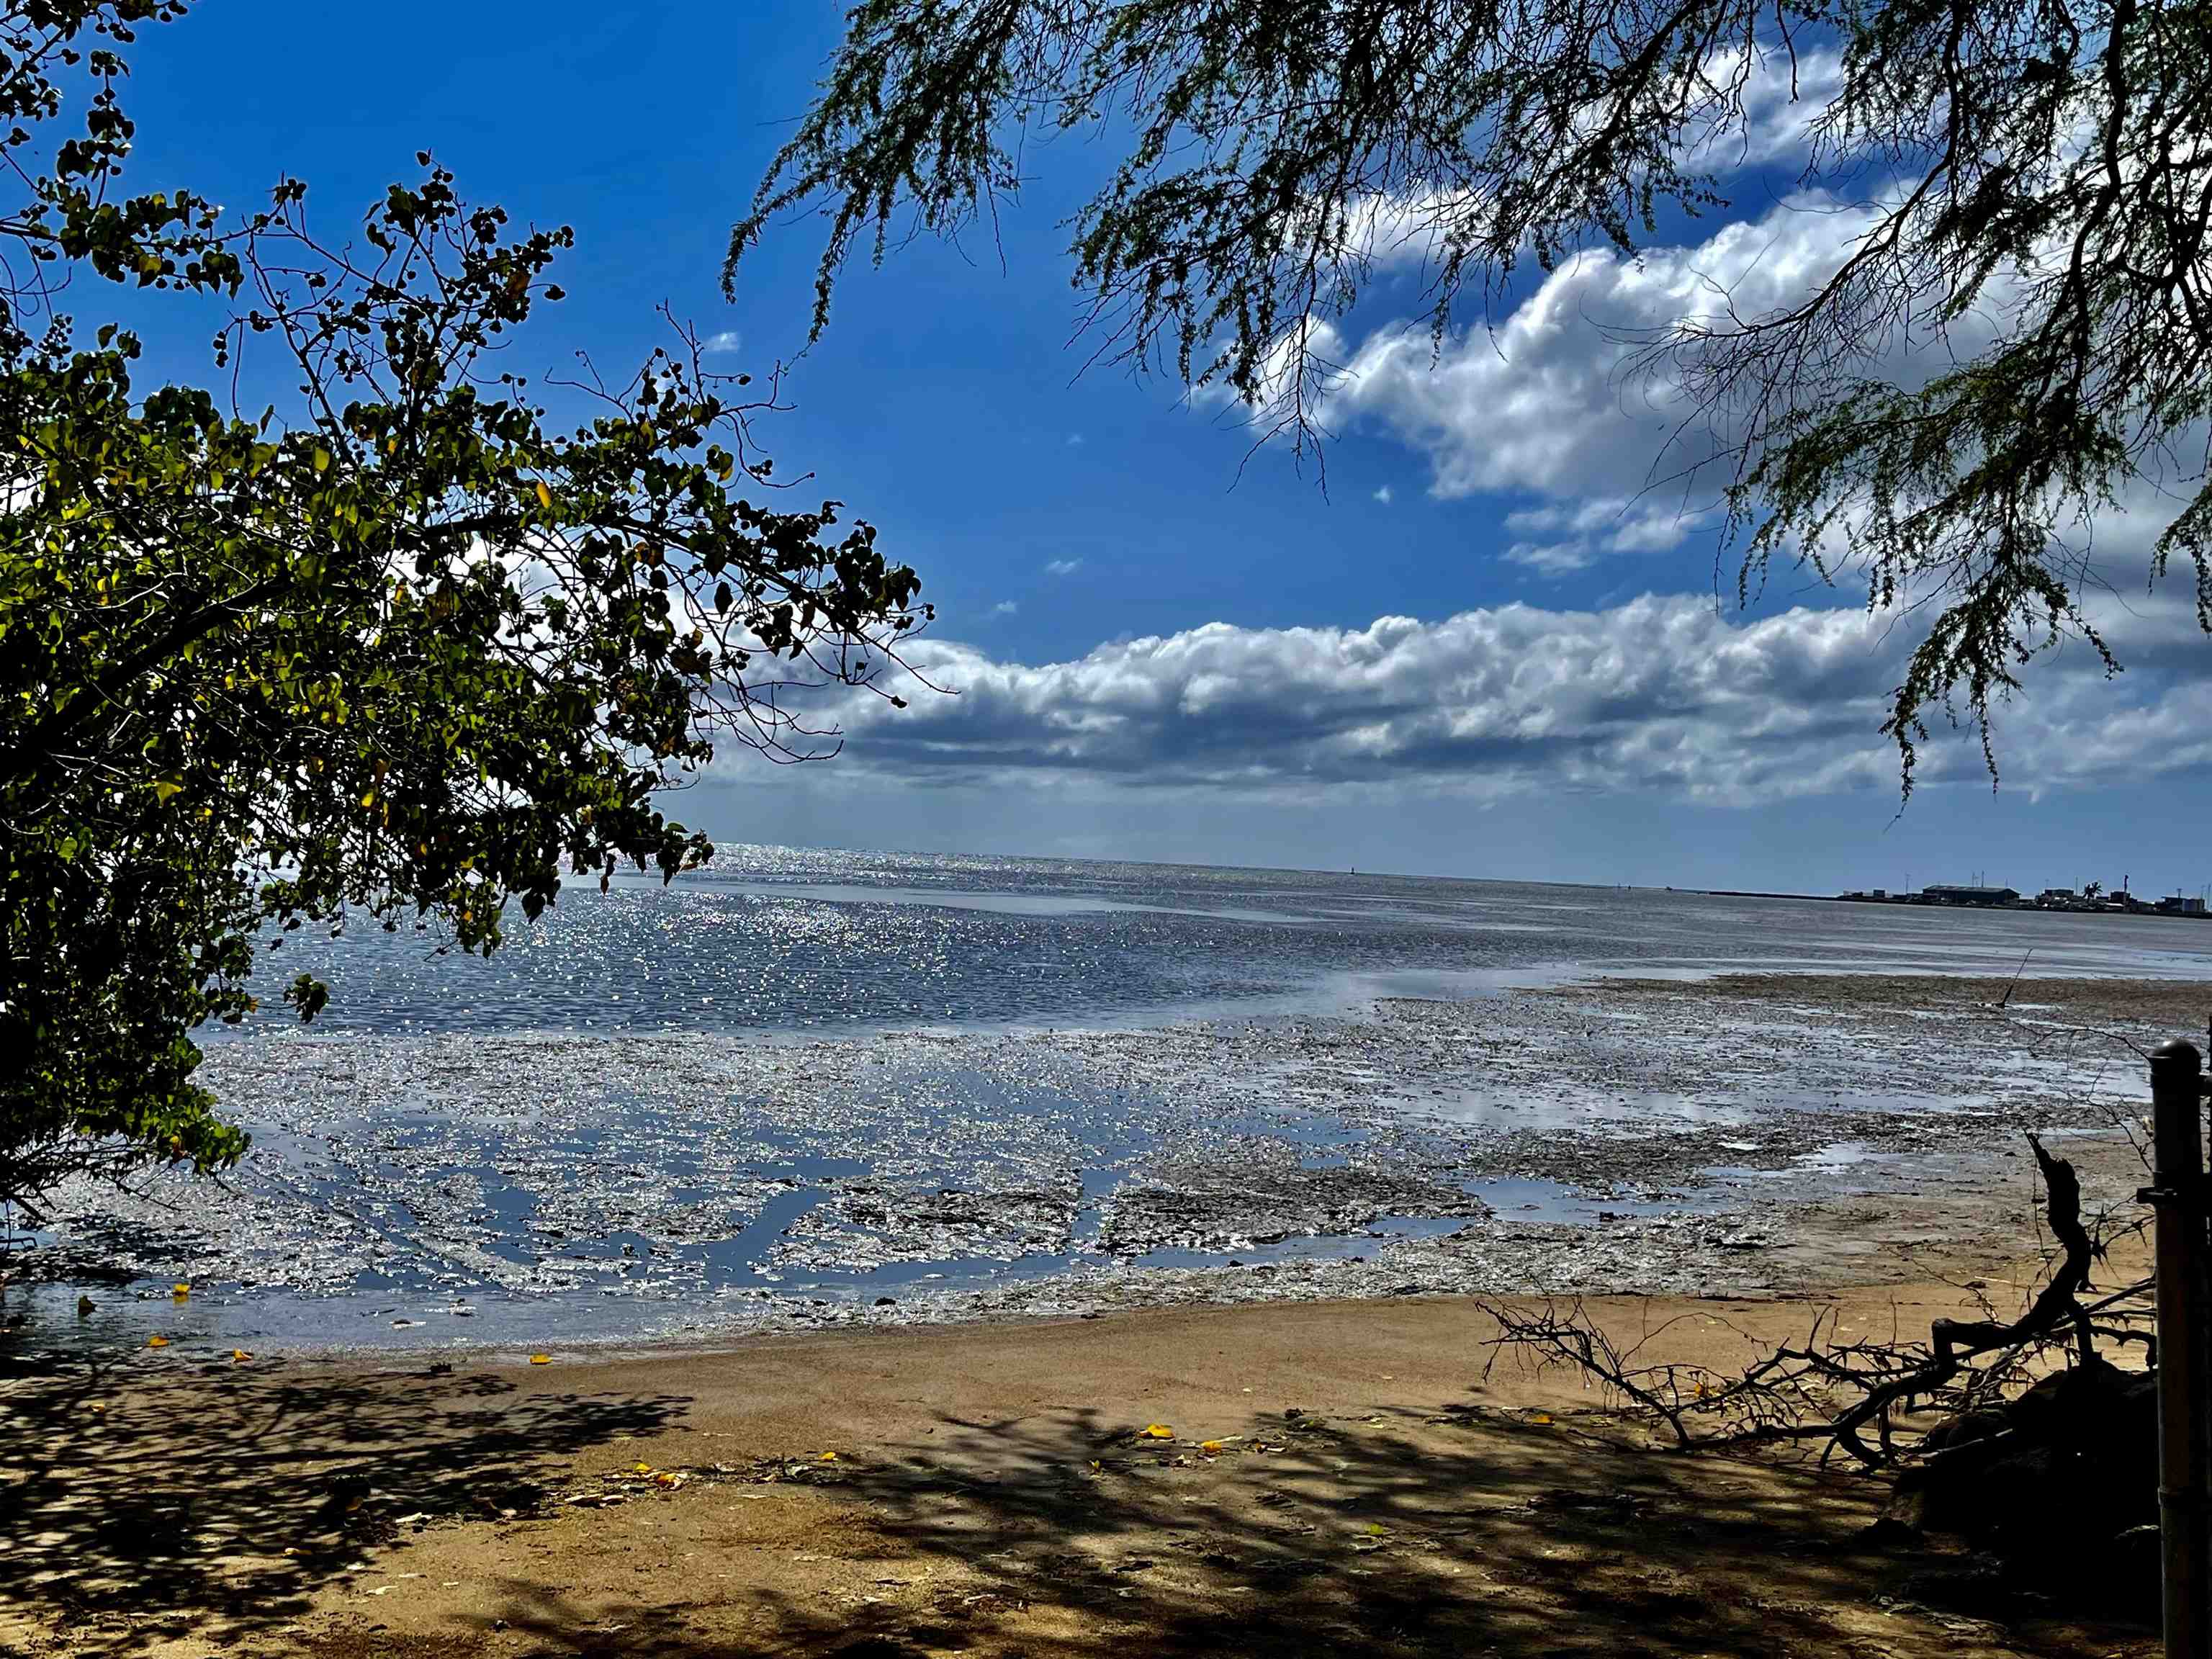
(2035, 178)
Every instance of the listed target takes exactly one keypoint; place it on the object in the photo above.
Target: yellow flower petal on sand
(157, 1341)
(1211, 1447)
(1155, 1431)
(541, 1359)
(239, 1355)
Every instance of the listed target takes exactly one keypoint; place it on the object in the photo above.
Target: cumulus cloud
(1552, 401)
(1782, 96)
(1005, 608)
(722, 344)
(1768, 123)
(1063, 567)
(1382, 495)
(1662, 694)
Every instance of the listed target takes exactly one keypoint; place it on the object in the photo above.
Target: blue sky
(1077, 530)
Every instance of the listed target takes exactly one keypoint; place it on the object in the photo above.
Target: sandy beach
(1320, 1477)
(1258, 1465)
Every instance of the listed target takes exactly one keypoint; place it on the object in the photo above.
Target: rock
(1889, 1531)
(1966, 1429)
(2051, 1483)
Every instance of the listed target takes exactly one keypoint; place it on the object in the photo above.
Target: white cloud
(1063, 567)
(1382, 495)
(1004, 608)
(1782, 97)
(1662, 694)
(1549, 401)
(1769, 123)
(1569, 536)
(1552, 558)
(716, 345)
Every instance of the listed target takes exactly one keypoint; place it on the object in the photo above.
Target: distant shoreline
(1915, 901)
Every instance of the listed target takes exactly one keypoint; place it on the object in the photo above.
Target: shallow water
(813, 1081)
(799, 940)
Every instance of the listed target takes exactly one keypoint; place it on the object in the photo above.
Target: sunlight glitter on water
(810, 1079)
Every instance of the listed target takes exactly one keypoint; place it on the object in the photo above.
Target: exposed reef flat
(1725, 1135)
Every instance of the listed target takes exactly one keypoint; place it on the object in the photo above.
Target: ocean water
(799, 940)
(821, 1085)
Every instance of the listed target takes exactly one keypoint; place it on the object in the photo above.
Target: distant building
(2182, 905)
(2056, 897)
(1994, 897)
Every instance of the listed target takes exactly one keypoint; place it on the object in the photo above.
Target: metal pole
(2177, 1119)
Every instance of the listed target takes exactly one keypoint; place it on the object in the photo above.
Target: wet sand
(1752, 1134)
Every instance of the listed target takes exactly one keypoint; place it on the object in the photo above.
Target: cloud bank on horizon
(1660, 695)
(1551, 417)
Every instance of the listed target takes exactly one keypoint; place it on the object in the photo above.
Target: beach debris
(541, 1359)
(157, 1341)
(1155, 1431)
(829, 1457)
(239, 1355)
(85, 1307)
(181, 1290)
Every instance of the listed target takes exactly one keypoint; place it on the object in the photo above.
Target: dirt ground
(1341, 1478)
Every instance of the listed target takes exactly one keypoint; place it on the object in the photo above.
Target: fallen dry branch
(1836, 1393)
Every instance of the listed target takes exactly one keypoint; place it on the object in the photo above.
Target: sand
(987, 1489)
(983, 1489)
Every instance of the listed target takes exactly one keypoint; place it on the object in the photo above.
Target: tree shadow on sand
(1456, 1532)
(213, 1502)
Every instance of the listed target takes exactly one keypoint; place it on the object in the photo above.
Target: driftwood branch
(1838, 1393)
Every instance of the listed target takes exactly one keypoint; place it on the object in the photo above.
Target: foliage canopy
(2037, 176)
(407, 651)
